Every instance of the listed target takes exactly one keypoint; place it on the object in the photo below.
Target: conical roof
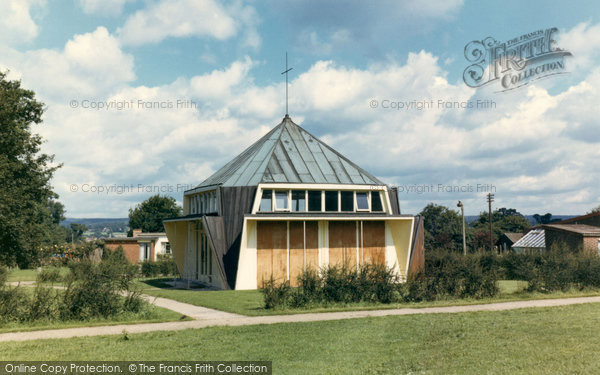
(290, 154)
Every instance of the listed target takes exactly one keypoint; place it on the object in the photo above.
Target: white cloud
(90, 65)
(583, 41)
(103, 7)
(16, 23)
(188, 18)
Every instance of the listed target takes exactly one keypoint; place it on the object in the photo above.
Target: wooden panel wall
(299, 259)
(271, 251)
(342, 243)
(373, 242)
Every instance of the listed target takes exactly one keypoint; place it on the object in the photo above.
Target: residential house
(141, 246)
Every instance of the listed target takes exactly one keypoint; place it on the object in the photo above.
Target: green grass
(554, 340)
(155, 314)
(16, 274)
(250, 302)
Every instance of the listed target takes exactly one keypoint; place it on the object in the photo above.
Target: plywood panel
(373, 242)
(342, 243)
(302, 257)
(271, 251)
(312, 245)
(296, 251)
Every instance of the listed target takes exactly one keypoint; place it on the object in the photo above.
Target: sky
(146, 97)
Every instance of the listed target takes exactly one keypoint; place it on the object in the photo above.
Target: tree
(544, 219)
(75, 232)
(443, 228)
(504, 220)
(594, 210)
(149, 214)
(27, 220)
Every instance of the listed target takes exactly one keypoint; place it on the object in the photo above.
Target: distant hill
(470, 219)
(100, 227)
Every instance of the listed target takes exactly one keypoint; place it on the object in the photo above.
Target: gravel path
(205, 317)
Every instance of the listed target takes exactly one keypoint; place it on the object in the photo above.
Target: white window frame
(368, 209)
(289, 198)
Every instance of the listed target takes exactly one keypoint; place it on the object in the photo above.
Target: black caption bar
(135, 367)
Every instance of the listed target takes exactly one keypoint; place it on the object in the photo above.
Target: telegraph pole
(490, 199)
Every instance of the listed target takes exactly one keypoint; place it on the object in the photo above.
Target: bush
(276, 295)
(335, 284)
(3, 275)
(164, 266)
(49, 274)
(91, 291)
(45, 304)
(150, 269)
(14, 304)
(450, 274)
(446, 275)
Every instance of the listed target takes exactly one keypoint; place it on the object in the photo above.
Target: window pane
(376, 201)
(314, 200)
(265, 201)
(331, 201)
(362, 201)
(347, 201)
(281, 200)
(298, 200)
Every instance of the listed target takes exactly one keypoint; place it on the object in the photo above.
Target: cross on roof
(286, 83)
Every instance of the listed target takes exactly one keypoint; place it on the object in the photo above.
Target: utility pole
(462, 211)
(490, 198)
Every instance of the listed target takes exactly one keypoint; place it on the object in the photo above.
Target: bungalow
(288, 203)
(574, 236)
(140, 247)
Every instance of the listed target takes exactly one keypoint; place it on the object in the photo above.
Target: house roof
(289, 154)
(535, 238)
(140, 236)
(583, 229)
(514, 237)
(579, 218)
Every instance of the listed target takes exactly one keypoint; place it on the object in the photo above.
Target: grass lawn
(154, 315)
(250, 302)
(554, 340)
(16, 274)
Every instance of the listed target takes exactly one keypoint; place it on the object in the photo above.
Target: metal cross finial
(286, 83)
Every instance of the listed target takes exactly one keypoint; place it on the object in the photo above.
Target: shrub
(94, 290)
(14, 304)
(164, 266)
(150, 269)
(45, 304)
(335, 284)
(276, 294)
(49, 274)
(3, 275)
(450, 274)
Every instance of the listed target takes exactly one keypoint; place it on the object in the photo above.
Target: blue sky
(537, 147)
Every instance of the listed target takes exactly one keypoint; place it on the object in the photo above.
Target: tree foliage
(544, 219)
(28, 210)
(149, 214)
(503, 219)
(443, 228)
